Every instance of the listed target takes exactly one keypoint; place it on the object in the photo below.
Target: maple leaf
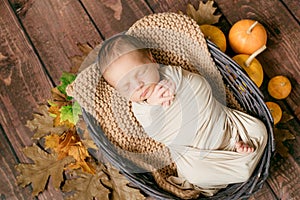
(77, 60)
(69, 144)
(204, 14)
(70, 113)
(66, 79)
(45, 165)
(282, 135)
(42, 124)
(54, 112)
(87, 186)
(119, 185)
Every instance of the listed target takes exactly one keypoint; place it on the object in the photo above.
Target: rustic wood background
(38, 38)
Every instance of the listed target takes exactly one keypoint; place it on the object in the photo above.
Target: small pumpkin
(279, 87)
(246, 36)
(251, 65)
(215, 35)
(275, 111)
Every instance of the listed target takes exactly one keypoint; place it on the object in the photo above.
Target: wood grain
(171, 5)
(9, 188)
(294, 8)
(23, 85)
(285, 178)
(283, 30)
(55, 28)
(108, 24)
(264, 193)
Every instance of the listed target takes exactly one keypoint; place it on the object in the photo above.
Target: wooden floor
(38, 38)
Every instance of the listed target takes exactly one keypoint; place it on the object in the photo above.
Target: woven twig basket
(168, 47)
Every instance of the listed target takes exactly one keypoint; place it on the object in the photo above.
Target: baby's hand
(163, 94)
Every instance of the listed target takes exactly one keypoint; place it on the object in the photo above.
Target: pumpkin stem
(251, 27)
(258, 51)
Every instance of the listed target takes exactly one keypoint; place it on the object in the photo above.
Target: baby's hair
(117, 46)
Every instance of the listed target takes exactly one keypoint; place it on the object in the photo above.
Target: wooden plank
(280, 58)
(171, 5)
(8, 159)
(265, 193)
(283, 51)
(23, 85)
(294, 7)
(116, 16)
(55, 28)
(285, 178)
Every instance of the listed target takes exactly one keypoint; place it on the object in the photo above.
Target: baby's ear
(151, 56)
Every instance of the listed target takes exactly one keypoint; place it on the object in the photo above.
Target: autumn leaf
(70, 113)
(54, 112)
(115, 5)
(69, 144)
(119, 186)
(58, 98)
(87, 186)
(77, 60)
(286, 118)
(42, 124)
(45, 165)
(204, 14)
(66, 79)
(282, 135)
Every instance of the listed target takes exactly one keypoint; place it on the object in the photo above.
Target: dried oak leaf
(45, 165)
(115, 5)
(69, 144)
(286, 118)
(87, 186)
(42, 124)
(204, 14)
(77, 60)
(282, 135)
(58, 98)
(120, 186)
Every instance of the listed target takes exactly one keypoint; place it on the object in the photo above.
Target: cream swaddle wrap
(201, 133)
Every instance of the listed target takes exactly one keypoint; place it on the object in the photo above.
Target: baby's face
(133, 75)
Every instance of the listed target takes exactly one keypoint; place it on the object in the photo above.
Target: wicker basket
(241, 94)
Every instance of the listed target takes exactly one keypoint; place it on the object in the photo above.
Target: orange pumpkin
(215, 35)
(279, 87)
(251, 65)
(275, 111)
(246, 36)
(254, 70)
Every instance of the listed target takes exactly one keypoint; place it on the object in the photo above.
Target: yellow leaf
(69, 144)
(204, 14)
(51, 141)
